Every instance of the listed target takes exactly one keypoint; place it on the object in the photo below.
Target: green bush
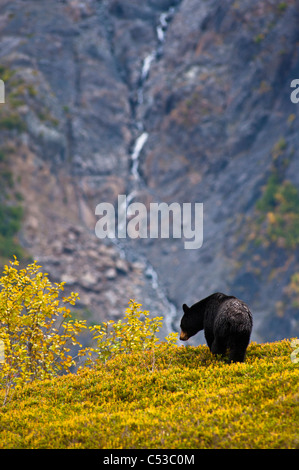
(10, 220)
(11, 211)
(279, 207)
(10, 224)
(12, 121)
(268, 200)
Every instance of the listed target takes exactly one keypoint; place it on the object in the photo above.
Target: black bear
(226, 321)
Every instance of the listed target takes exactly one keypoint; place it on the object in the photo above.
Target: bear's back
(220, 308)
(235, 312)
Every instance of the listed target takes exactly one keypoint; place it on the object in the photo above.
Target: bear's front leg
(209, 339)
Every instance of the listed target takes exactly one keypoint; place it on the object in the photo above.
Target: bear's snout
(183, 336)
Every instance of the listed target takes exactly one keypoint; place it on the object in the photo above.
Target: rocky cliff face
(174, 101)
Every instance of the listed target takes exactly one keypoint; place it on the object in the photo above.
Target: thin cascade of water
(137, 148)
(151, 273)
(163, 23)
(139, 144)
(161, 28)
(147, 65)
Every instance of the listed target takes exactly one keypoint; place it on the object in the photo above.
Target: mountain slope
(209, 84)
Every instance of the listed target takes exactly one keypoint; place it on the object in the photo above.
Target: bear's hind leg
(237, 348)
(219, 346)
(235, 355)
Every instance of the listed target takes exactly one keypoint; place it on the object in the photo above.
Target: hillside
(206, 87)
(184, 399)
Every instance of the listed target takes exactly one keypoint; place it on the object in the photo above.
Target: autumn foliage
(132, 391)
(36, 328)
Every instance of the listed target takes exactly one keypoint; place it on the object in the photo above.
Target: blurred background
(164, 101)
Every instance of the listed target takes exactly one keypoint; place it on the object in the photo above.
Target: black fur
(226, 321)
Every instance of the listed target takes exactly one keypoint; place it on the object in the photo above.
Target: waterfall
(147, 65)
(151, 273)
(137, 147)
(161, 28)
(139, 144)
(163, 23)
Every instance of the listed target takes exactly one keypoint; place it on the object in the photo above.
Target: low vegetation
(136, 392)
(188, 400)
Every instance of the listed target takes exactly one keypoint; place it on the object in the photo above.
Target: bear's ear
(186, 308)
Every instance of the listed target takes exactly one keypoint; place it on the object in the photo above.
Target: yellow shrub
(36, 329)
(137, 332)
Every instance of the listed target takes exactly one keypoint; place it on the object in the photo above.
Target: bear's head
(188, 326)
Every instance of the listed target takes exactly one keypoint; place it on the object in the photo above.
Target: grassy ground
(183, 398)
